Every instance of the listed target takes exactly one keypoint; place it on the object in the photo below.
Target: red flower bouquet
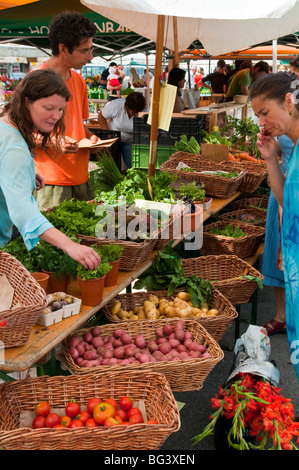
(252, 403)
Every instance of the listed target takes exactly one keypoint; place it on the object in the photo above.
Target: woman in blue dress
(274, 99)
(273, 276)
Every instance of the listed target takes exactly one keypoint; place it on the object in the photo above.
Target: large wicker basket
(28, 301)
(226, 273)
(255, 174)
(216, 325)
(214, 185)
(133, 254)
(259, 202)
(182, 375)
(259, 216)
(242, 247)
(150, 387)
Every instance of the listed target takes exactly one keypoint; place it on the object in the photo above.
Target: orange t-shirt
(68, 169)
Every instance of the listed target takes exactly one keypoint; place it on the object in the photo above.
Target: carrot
(231, 157)
(245, 156)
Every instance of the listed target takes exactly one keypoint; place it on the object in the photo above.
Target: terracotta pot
(56, 284)
(91, 290)
(195, 219)
(111, 276)
(41, 278)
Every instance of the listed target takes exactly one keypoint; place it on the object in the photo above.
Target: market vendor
(35, 113)
(118, 115)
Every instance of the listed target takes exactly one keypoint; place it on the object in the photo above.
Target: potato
(133, 317)
(184, 296)
(213, 311)
(116, 307)
(123, 314)
(153, 299)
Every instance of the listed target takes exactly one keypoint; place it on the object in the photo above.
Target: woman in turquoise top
(35, 115)
(274, 100)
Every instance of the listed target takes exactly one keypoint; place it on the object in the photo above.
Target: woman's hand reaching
(267, 145)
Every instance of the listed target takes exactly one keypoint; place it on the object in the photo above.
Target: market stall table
(213, 110)
(42, 339)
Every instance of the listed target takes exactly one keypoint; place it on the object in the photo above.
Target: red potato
(88, 337)
(167, 329)
(126, 338)
(97, 342)
(81, 349)
(74, 352)
(152, 346)
(74, 341)
(188, 335)
(187, 341)
(96, 331)
(159, 332)
(195, 354)
(179, 334)
(119, 352)
(174, 343)
(140, 341)
(181, 348)
(165, 347)
(162, 340)
(118, 332)
(158, 355)
(179, 324)
(90, 355)
(144, 358)
(117, 343)
(106, 339)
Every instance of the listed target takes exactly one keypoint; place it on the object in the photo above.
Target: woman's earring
(291, 113)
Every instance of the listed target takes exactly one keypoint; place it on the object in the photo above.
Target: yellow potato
(116, 307)
(154, 299)
(213, 311)
(184, 296)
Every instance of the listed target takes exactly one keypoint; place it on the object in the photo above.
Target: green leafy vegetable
(229, 231)
(189, 146)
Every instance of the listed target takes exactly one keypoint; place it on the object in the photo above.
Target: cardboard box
(215, 152)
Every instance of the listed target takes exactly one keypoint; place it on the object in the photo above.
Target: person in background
(247, 74)
(114, 80)
(199, 75)
(294, 67)
(192, 78)
(274, 102)
(104, 76)
(65, 171)
(216, 79)
(273, 276)
(233, 71)
(176, 77)
(35, 111)
(122, 74)
(134, 76)
(118, 115)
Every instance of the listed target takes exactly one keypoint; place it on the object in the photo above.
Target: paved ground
(196, 411)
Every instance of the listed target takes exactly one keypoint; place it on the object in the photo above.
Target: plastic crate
(115, 148)
(140, 155)
(179, 126)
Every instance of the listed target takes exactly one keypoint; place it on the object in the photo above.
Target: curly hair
(38, 84)
(135, 101)
(69, 28)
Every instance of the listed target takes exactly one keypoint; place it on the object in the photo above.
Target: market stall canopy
(29, 24)
(14, 3)
(252, 53)
(220, 26)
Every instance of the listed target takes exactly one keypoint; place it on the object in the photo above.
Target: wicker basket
(255, 174)
(151, 387)
(222, 245)
(225, 274)
(216, 325)
(182, 375)
(215, 186)
(133, 253)
(258, 202)
(28, 302)
(259, 215)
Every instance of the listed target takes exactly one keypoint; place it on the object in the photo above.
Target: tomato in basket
(92, 403)
(42, 409)
(39, 422)
(52, 419)
(72, 409)
(103, 411)
(125, 403)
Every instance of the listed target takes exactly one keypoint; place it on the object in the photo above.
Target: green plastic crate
(140, 155)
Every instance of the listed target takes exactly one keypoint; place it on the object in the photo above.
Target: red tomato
(84, 416)
(92, 403)
(91, 423)
(42, 409)
(135, 419)
(125, 423)
(112, 402)
(152, 421)
(58, 426)
(72, 409)
(3, 323)
(110, 422)
(76, 423)
(52, 419)
(125, 403)
(66, 421)
(39, 422)
(134, 411)
(122, 414)
(103, 411)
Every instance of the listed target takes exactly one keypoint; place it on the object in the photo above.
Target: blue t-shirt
(17, 181)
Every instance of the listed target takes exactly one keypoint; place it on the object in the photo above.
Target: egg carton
(50, 318)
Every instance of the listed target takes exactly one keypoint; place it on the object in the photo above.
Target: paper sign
(158, 206)
(166, 105)
(86, 143)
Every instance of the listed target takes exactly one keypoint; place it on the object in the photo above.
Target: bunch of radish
(172, 343)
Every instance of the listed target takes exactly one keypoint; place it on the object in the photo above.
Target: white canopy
(220, 26)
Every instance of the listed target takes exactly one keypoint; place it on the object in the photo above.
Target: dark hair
(221, 63)
(295, 62)
(246, 64)
(40, 83)
(69, 28)
(274, 86)
(113, 64)
(135, 101)
(262, 66)
(238, 63)
(175, 76)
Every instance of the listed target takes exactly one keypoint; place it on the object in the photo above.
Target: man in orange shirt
(66, 174)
